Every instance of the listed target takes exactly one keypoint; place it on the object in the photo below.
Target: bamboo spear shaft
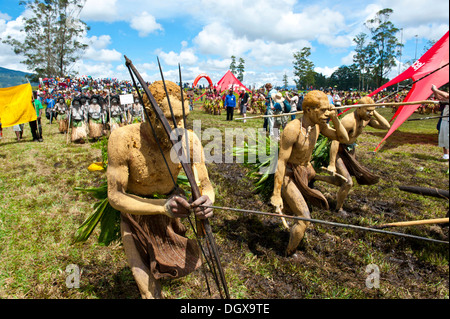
(415, 222)
(319, 221)
(428, 118)
(345, 107)
(262, 116)
(387, 104)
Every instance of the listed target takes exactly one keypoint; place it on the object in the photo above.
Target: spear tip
(127, 61)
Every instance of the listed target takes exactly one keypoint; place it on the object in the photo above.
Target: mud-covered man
(153, 236)
(291, 192)
(342, 155)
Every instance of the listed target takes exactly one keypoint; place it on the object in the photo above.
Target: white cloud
(185, 57)
(215, 39)
(4, 16)
(99, 70)
(431, 32)
(148, 66)
(12, 28)
(100, 42)
(327, 71)
(145, 24)
(348, 59)
(102, 55)
(215, 64)
(8, 59)
(97, 49)
(100, 10)
(411, 13)
(332, 41)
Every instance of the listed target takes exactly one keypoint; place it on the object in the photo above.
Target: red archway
(203, 75)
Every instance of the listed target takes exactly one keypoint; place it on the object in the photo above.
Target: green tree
(240, 69)
(428, 45)
(385, 45)
(53, 31)
(345, 77)
(363, 58)
(233, 67)
(320, 80)
(285, 81)
(303, 68)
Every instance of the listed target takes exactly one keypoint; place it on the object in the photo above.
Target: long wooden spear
(415, 223)
(263, 116)
(387, 104)
(319, 221)
(346, 107)
(428, 118)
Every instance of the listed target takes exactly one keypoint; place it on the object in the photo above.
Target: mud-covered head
(366, 112)
(317, 106)
(158, 92)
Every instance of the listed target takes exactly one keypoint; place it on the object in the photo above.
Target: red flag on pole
(436, 58)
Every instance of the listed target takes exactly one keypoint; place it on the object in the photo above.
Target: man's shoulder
(292, 128)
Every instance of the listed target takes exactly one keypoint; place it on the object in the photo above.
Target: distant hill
(12, 78)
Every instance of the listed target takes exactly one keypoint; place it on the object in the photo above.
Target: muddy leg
(345, 187)
(149, 287)
(297, 205)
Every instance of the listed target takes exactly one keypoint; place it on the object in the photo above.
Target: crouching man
(140, 187)
(342, 155)
(294, 170)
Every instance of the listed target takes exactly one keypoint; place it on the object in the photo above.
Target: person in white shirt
(294, 102)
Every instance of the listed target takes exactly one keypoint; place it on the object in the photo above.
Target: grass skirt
(78, 131)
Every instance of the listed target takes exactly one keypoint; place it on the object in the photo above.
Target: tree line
(375, 56)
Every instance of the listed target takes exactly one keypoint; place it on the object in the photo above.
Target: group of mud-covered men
(153, 236)
(92, 117)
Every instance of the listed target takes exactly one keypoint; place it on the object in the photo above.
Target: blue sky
(202, 35)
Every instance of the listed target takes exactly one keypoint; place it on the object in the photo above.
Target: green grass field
(40, 211)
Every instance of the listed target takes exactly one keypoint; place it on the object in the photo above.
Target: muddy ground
(331, 261)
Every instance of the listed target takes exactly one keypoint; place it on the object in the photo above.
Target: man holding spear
(294, 169)
(153, 236)
(342, 155)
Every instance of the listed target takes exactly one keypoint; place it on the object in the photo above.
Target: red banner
(436, 58)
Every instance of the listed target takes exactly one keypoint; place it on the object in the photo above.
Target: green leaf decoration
(88, 226)
(107, 216)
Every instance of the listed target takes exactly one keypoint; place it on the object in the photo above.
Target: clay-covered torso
(304, 145)
(148, 174)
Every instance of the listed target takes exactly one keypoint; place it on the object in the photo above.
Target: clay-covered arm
(129, 203)
(117, 176)
(440, 95)
(379, 122)
(289, 137)
(333, 154)
(338, 133)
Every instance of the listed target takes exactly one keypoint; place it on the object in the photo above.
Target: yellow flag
(16, 106)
